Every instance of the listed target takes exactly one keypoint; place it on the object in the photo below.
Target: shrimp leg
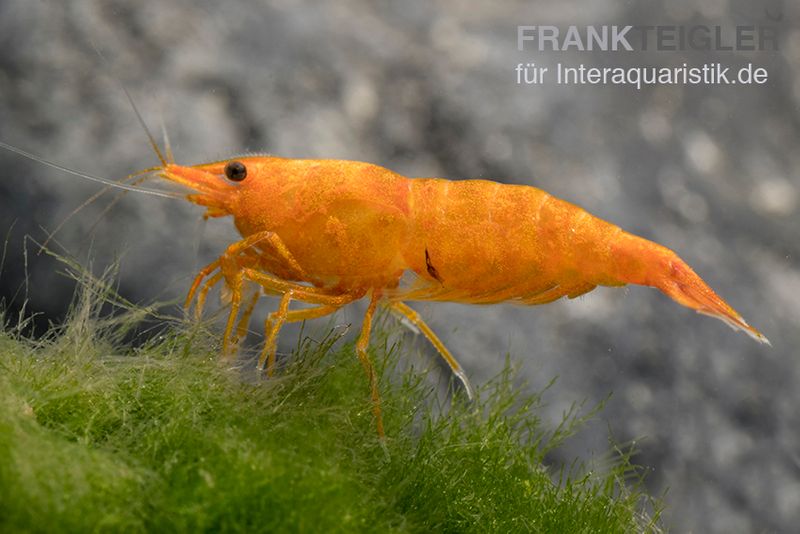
(272, 326)
(230, 265)
(404, 311)
(329, 303)
(241, 329)
(202, 275)
(369, 368)
(310, 294)
(275, 322)
(230, 255)
(235, 286)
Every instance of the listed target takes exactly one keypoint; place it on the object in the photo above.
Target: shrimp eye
(235, 171)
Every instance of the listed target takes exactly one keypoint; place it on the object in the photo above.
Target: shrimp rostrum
(330, 232)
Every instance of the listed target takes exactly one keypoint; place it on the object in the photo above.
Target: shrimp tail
(639, 261)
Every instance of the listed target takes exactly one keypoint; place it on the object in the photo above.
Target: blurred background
(428, 88)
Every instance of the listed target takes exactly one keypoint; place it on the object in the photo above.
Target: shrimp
(331, 232)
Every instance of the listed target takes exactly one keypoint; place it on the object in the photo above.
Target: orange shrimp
(329, 232)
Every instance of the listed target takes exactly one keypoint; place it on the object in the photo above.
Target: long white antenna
(105, 181)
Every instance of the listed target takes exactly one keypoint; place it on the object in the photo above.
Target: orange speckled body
(344, 224)
(356, 226)
(328, 232)
(488, 242)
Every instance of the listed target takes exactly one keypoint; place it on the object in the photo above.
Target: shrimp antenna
(91, 199)
(150, 138)
(92, 178)
(167, 145)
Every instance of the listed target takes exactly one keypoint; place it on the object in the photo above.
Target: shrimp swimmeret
(330, 232)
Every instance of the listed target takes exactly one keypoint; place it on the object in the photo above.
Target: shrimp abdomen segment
(482, 242)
